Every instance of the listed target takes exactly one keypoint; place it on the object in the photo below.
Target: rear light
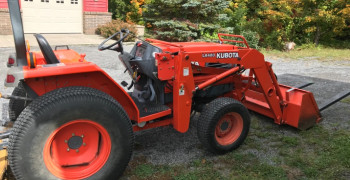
(10, 78)
(11, 61)
(13, 75)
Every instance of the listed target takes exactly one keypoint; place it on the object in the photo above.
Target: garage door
(52, 16)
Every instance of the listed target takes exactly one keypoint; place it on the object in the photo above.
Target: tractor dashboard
(141, 59)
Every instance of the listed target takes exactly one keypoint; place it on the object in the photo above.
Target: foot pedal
(152, 109)
(124, 84)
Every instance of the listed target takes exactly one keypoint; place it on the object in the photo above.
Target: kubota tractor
(79, 123)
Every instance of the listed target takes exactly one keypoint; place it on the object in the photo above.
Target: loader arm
(286, 105)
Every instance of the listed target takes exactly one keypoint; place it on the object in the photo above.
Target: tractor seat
(46, 49)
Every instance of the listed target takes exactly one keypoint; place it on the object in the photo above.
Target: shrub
(252, 38)
(115, 26)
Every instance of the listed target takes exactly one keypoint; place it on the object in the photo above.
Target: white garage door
(52, 16)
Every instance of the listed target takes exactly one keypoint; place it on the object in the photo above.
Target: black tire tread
(16, 106)
(27, 118)
(206, 122)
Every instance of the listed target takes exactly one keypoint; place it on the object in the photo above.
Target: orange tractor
(78, 123)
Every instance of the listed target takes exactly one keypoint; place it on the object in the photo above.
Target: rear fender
(47, 78)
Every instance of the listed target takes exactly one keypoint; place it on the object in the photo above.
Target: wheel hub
(75, 142)
(77, 149)
(229, 128)
(224, 126)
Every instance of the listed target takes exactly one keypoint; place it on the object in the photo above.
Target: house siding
(3, 4)
(95, 6)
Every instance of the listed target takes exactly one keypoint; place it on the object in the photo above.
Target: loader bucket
(301, 110)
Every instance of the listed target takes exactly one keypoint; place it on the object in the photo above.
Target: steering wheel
(101, 47)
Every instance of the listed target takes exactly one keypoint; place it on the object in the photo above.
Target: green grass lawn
(320, 53)
(317, 153)
(346, 100)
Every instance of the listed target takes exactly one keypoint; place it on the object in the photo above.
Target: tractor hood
(18, 33)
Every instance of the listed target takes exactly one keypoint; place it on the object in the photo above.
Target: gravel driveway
(166, 146)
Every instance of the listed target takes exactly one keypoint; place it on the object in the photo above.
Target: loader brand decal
(221, 55)
(226, 55)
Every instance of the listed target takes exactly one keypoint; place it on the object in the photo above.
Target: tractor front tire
(223, 125)
(16, 106)
(71, 133)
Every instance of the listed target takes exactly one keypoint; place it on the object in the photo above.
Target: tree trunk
(318, 35)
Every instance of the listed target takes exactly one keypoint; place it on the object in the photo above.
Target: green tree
(183, 20)
(237, 20)
(136, 11)
(345, 14)
(324, 18)
(119, 8)
(236, 16)
(127, 10)
(270, 21)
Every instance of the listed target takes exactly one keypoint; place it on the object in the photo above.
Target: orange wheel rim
(77, 149)
(229, 128)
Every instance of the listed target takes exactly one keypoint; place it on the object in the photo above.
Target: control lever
(132, 83)
(124, 84)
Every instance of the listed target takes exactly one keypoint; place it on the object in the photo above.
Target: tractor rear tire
(71, 133)
(16, 106)
(223, 125)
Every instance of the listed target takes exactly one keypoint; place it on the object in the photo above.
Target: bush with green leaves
(115, 26)
(299, 21)
(252, 38)
(119, 8)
